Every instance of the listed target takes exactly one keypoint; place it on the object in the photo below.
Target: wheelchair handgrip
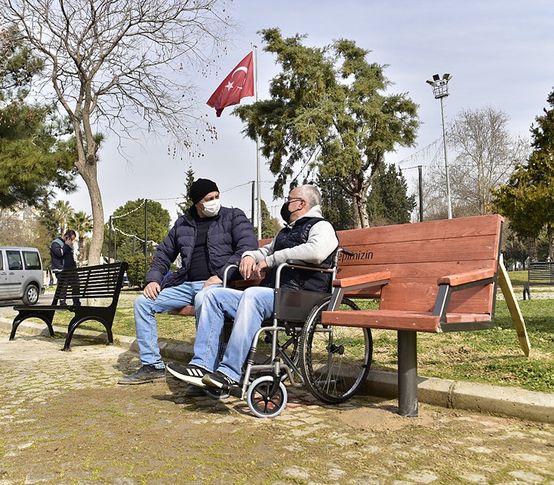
(346, 251)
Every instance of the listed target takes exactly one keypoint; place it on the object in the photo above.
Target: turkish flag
(237, 85)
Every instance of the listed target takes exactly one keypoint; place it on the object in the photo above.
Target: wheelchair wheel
(262, 401)
(334, 360)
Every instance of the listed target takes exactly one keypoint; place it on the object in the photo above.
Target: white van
(20, 274)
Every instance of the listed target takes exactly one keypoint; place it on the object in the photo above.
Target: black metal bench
(540, 273)
(89, 282)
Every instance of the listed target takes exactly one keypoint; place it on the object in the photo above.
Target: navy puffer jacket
(228, 237)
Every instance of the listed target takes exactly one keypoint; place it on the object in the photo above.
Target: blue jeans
(248, 309)
(168, 299)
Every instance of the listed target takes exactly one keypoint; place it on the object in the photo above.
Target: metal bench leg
(407, 373)
(73, 324)
(47, 319)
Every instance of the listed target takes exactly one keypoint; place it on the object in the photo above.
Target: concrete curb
(485, 398)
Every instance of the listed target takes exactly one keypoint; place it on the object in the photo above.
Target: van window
(1, 261)
(32, 261)
(14, 260)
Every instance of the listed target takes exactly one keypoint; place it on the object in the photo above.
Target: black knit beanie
(200, 188)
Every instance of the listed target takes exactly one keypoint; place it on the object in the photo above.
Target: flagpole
(258, 192)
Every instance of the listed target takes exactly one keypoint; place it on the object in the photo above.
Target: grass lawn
(489, 356)
(518, 277)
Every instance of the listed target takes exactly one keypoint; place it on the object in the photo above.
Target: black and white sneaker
(217, 380)
(190, 374)
(147, 373)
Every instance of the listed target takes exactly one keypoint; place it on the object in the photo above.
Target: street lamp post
(440, 91)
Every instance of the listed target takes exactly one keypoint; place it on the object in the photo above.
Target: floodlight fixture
(440, 91)
(440, 86)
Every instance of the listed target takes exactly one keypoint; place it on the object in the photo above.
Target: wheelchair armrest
(291, 263)
(296, 263)
(229, 268)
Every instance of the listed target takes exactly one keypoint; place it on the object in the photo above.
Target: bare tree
(119, 66)
(482, 154)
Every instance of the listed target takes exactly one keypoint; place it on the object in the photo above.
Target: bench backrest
(541, 273)
(102, 281)
(417, 254)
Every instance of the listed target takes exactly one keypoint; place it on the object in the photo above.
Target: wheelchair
(332, 362)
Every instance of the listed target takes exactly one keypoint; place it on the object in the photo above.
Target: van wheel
(30, 297)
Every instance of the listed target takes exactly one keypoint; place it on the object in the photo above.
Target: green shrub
(137, 271)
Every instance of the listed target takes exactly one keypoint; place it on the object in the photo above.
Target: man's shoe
(147, 373)
(191, 374)
(217, 380)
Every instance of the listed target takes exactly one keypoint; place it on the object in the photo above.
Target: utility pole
(253, 218)
(145, 234)
(420, 184)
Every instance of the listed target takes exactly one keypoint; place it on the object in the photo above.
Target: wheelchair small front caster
(264, 399)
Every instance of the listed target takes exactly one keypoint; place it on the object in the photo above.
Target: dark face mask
(286, 213)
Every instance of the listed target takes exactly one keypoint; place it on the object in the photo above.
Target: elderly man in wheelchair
(298, 265)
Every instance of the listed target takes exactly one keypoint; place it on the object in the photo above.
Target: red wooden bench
(436, 276)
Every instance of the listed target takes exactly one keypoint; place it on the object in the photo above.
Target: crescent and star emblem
(230, 85)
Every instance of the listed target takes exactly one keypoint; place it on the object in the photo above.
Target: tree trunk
(89, 174)
(550, 235)
(532, 249)
(361, 219)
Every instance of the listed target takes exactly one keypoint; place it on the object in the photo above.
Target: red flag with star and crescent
(237, 85)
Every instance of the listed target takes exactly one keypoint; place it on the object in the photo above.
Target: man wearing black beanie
(208, 238)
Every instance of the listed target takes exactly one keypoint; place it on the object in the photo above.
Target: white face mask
(211, 208)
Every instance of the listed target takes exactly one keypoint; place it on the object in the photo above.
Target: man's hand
(260, 269)
(151, 290)
(212, 280)
(247, 267)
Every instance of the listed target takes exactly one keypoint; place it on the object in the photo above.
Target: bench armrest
(343, 285)
(458, 279)
(366, 280)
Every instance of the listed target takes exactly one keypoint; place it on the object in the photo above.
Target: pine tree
(187, 201)
(388, 201)
(330, 113)
(527, 199)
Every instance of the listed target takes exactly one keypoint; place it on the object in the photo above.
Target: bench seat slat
(39, 308)
(398, 320)
(385, 319)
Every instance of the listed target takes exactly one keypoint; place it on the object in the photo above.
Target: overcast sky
(499, 52)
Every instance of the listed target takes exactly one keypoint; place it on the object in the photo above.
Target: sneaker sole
(124, 382)
(195, 381)
(217, 385)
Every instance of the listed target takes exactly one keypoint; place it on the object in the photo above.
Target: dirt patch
(380, 418)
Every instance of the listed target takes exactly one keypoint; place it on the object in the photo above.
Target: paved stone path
(63, 419)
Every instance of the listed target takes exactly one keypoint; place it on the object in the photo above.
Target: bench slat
(429, 230)
(384, 319)
(398, 320)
